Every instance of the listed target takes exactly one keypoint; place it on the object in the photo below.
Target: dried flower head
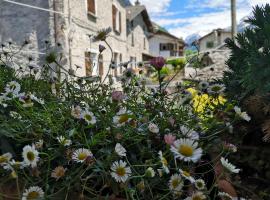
(102, 34)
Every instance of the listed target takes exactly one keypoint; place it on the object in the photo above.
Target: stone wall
(19, 23)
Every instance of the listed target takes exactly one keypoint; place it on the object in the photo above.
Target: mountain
(191, 38)
(126, 2)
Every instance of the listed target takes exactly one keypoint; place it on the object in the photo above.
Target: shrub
(80, 138)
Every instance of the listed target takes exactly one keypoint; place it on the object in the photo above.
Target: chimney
(137, 3)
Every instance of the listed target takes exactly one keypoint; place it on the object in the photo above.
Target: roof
(218, 30)
(134, 11)
(161, 30)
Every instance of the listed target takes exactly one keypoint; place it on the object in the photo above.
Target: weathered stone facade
(74, 29)
(213, 64)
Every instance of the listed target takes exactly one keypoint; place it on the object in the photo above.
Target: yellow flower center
(185, 173)
(120, 171)
(197, 198)
(30, 156)
(82, 156)
(88, 117)
(186, 150)
(33, 195)
(175, 183)
(164, 161)
(3, 159)
(123, 118)
(216, 88)
(60, 173)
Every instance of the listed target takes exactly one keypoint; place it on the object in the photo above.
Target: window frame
(89, 12)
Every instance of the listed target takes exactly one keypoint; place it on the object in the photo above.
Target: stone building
(73, 23)
(164, 44)
(213, 39)
(139, 28)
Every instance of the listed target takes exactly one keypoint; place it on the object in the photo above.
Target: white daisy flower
(120, 150)
(187, 150)
(176, 183)
(120, 172)
(88, 117)
(153, 128)
(30, 156)
(150, 172)
(80, 155)
(203, 85)
(228, 166)
(225, 196)
(187, 175)
(121, 118)
(189, 133)
(33, 193)
(76, 112)
(164, 162)
(241, 114)
(196, 196)
(36, 99)
(2, 101)
(5, 158)
(216, 89)
(15, 115)
(13, 88)
(63, 141)
(200, 184)
(26, 100)
(39, 144)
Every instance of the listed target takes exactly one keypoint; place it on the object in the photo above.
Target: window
(91, 7)
(100, 65)
(90, 63)
(210, 44)
(117, 19)
(132, 39)
(132, 24)
(133, 61)
(166, 47)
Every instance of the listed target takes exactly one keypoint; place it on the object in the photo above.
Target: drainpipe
(234, 23)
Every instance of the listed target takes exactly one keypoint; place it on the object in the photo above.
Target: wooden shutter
(114, 11)
(88, 64)
(120, 22)
(121, 60)
(91, 6)
(100, 64)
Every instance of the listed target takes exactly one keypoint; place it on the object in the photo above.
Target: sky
(185, 17)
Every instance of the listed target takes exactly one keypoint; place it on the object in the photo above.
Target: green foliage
(137, 118)
(249, 63)
(178, 63)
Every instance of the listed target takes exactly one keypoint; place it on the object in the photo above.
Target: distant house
(214, 39)
(162, 43)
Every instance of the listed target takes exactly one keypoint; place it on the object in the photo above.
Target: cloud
(155, 6)
(210, 14)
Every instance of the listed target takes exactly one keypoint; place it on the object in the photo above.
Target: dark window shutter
(101, 65)
(120, 22)
(114, 11)
(88, 64)
(91, 6)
